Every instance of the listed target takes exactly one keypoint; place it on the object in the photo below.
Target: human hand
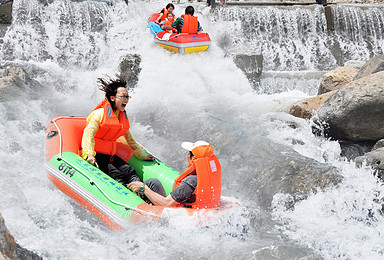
(134, 186)
(150, 157)
(91, 159)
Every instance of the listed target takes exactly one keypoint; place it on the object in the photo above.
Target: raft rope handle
(58, 129)
(94, 183)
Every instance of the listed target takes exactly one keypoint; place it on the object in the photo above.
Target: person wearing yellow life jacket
(199, 186)
(163, 13)
(168, 21)
(187, 23)
(104, 126)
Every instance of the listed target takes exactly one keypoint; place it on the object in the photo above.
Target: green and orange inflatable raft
(110, 201)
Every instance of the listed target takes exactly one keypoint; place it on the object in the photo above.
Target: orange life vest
(190, 24)
(208, 171)
(110, 128)
(167, 22)
(165, 15)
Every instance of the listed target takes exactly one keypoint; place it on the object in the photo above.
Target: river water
(66, 45)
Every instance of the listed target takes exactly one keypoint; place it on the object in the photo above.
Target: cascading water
(66, 45)
(305, 38)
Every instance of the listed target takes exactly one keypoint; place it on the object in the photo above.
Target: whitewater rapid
(178, 98)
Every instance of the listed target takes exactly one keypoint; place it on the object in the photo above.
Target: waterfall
(306, 37)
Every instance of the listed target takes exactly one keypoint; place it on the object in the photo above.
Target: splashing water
(67, 45)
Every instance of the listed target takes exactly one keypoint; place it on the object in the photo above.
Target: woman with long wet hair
(107, 122)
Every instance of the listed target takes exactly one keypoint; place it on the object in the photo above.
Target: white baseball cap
(190, 146)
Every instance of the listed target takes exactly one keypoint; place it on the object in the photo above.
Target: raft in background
(179, 43)
(104, 197)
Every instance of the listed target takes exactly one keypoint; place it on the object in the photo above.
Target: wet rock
(379, 144)
(251, 65)
(309, 179)
(351, 150)
(356, 110)
(15, 81)
(6, 11)
(32, 70)
(130, 69)
(374, 159)
(295, 176)
(9, 249)
(305, 108)
(372, 66)
(303, 181)
(337, 78)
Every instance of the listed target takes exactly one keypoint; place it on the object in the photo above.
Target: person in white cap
(204, 172)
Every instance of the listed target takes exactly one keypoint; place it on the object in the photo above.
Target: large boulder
(356, 110)
(300, 178)
(374, 65)
(305, 108)
(337, 78)
(9, 249)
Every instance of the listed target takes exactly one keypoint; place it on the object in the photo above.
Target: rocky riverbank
(350, 107)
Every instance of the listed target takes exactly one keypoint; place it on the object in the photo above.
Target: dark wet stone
(130, 69)
(9, 249)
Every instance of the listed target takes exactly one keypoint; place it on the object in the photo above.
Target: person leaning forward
(104, 126)
(199, 186)
(187, 23)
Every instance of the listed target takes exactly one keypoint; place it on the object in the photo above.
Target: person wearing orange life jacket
(199, 186)
(168, 21)
(163, 13)
(104, 126)
(187, 23)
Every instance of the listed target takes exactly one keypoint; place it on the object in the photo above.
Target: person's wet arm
(88, 139)
(161, 15)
